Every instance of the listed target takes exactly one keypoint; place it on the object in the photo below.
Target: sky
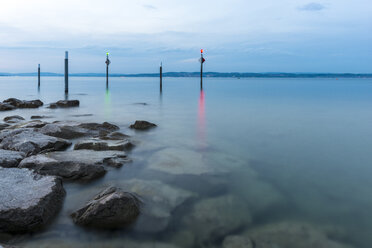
(236, 35)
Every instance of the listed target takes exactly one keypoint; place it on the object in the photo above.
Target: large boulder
(31, 142)
(10, 159)
(112, 208)
(72, 130)
(66, 167)
(28, 201)
(65, 104)
(23, 103)
(142, 125)
(13, 119)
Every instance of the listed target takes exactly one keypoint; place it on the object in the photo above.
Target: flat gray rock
(98, 145)
(72, 130)
(31, 142)
(10, 159)
(13, 119)
(71, 168)
(28, 201)
(112, 208)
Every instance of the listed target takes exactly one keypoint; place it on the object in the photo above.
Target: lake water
(238, 156)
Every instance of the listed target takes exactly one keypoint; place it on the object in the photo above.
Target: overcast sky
(237, 35)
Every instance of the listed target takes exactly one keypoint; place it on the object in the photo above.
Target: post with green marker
(107, 68)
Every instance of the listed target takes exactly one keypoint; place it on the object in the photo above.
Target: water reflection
(202, 121)
(107, 107)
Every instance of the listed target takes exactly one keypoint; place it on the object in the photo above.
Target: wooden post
(201, 68)
(66, 72)
(107, 69)
(161, 76)
(38, 76)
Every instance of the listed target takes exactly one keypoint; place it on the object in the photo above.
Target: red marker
(201, 51)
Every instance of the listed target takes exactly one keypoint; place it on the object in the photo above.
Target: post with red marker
(201, 60)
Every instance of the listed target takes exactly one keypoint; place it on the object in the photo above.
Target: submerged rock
(292, 235)
(142, 125)
(113, 136)
(23, 103)
(112, 208)
(27, 201)
(159, 201)
(31, 142)
(13, 119)
(235, 241)
(70, 168)
(10, 159)
(213, 218)
(65, 104)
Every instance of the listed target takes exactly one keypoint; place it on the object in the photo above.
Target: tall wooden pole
(107, 69)
(161, 76)
(38, 76)
(66, 72)
(201, 69)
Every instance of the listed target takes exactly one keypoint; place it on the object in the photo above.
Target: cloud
(312, 7)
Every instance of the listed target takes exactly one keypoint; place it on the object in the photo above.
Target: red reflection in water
(201, 121)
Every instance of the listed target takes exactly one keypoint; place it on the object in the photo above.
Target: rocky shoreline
(37, 156)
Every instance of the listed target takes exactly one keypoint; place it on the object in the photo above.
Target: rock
(31, 142)
(235, 241)
(113, 136)
(65, 104)
(10, 159)
(292, 235)
(24, 104)
(213, 218)
(112, 208)
(159, 201)
(72, 130)
(40, 117)
(28, 201)
(97, 145)
(142, 125)
(179, 162)
(6, 107)
(31, 124)
(81, 115)
(66, 167)
(13, 119)
(3, 126)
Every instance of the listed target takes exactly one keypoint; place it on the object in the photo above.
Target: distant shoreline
(206, 74)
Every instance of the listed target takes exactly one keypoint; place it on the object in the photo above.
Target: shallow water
(287, 149)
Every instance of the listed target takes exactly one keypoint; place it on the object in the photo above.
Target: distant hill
(206, 74)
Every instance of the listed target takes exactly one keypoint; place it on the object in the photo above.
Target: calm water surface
(250, 151)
